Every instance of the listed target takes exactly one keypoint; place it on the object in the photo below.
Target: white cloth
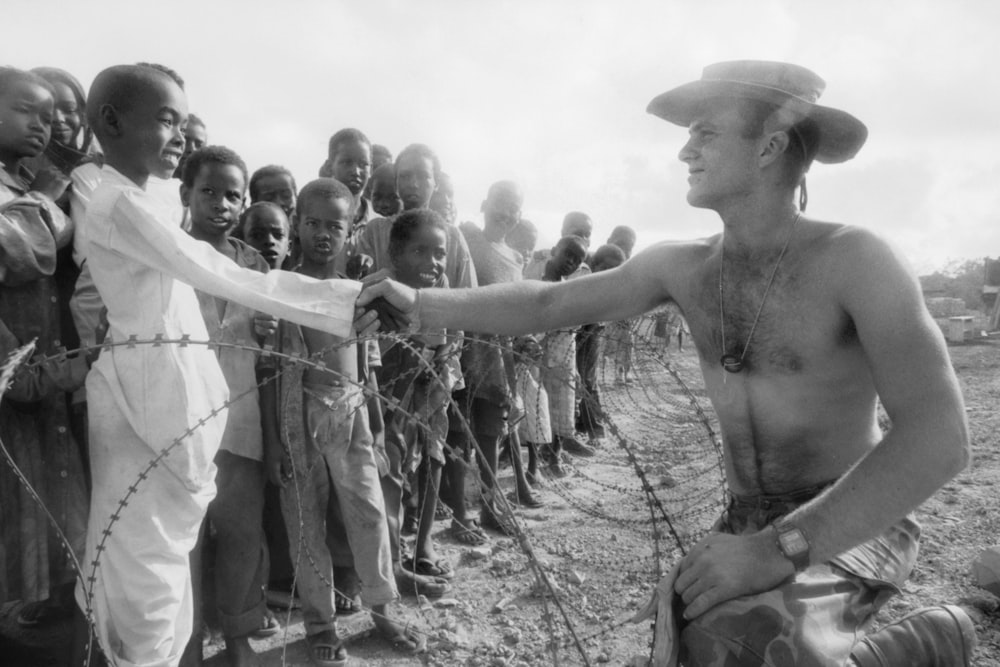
(144, 397)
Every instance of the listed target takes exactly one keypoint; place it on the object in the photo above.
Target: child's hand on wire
(264, 325)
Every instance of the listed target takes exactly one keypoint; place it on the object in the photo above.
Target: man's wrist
(792, 543)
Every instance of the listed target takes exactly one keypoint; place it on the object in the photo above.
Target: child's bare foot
(410, 583)
(326, 649)
(401, 636)
(240, 654)
(468, 531)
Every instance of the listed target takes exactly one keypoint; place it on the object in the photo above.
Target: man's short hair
(211, 155)
(196, 120)
(422, 151)
(803, 136)
(264, 172)
(608, 254)
(344, 136)
(324, 188)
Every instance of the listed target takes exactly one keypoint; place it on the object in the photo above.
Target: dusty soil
(601, 546)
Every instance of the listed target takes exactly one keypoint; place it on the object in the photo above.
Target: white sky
(553, 95)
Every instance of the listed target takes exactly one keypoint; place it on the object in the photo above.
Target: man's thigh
(812, 620)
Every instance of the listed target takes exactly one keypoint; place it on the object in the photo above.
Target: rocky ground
(600, 543)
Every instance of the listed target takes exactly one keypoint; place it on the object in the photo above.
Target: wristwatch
(793, 544)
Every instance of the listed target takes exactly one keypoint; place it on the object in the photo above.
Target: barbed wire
(686, 404)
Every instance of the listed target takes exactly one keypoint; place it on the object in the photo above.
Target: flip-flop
(432, 568)
(410, 643)
(471, 534)
(421, 585)
(441, 512)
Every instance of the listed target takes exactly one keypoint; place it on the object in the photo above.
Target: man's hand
(722, 567)
(393, 304)
(50, 181)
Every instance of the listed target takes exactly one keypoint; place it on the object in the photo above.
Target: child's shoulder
(247, 256)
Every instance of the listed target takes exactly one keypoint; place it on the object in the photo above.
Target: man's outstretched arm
(529, 306)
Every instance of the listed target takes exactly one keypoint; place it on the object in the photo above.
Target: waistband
(766, 501)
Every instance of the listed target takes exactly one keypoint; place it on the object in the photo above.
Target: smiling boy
(164, 400)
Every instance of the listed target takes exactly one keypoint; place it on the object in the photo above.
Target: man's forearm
(900, 473)
(508, 309)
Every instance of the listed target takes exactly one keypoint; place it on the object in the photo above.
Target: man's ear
(111, 120)
(185, 194)
(772, 147)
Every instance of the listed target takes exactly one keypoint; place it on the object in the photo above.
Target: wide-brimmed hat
(791, 87)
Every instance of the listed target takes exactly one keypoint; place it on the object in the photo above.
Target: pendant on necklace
(731, 363)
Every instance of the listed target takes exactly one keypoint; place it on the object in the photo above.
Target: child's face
(277, 188)
(352, 165)
(443, 202)
(524, 241)
(25, 121)
(323, 225)
(195, 137)
(421, 262)
(150, 140)
(567, 259)
(415, 181)
(267, 232)
(385, 199)
(502, 212)
(67, 116)
(214, 199)
(582, 227)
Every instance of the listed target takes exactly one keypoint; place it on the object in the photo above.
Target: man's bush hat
(791, 87)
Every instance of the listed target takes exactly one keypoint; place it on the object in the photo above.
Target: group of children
(220, 375)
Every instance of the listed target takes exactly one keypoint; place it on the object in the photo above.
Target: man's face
(25, 120)
(152, 130)
(721, 161)
(277, 188)
(415, 181)
(351, 164)
(214, 199)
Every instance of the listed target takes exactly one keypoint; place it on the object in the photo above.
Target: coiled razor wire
(657, 422)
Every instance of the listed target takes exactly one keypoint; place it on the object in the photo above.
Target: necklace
(730, 362)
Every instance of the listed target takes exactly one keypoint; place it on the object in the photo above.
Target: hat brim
(841, 135)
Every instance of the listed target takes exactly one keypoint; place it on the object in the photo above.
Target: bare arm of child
(276, 464)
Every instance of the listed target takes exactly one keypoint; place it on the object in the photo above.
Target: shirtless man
(800, 326)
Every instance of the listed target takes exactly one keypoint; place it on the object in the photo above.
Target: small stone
(602, 657)
(577, 577)
(446, 603)
(986, 570)
(479, 553)
(502, 604)
(512, 637)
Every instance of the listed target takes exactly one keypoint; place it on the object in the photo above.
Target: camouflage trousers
(812, 619)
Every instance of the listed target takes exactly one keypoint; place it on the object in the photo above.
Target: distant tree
(959, 279)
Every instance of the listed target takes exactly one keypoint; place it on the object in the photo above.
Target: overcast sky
(553, 95)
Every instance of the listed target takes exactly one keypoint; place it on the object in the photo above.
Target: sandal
(325, 652)
(346, 606)
(470, 532)
(441, 512)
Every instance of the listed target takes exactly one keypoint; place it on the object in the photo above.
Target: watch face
(793, 542)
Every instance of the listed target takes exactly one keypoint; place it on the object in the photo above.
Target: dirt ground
(599, 543)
